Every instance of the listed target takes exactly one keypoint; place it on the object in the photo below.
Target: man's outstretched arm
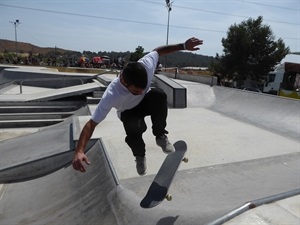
(79, 156)
(190, 45)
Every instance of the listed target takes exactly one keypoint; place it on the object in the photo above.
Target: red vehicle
(97, 62)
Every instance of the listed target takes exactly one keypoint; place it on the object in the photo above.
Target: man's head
(135, 77)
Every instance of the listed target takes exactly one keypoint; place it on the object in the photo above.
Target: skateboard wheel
(185, 159)
(169, 197)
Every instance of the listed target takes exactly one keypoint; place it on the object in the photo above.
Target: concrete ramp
(39, 153)
(276, 114)
(266, 111)
(35, 155)
(70, 197)
(63, 197)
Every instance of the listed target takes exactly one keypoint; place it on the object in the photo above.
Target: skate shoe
(164, 143)
(141, 166)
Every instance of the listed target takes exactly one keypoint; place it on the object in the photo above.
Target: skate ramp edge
(276, 114)
(63, 197)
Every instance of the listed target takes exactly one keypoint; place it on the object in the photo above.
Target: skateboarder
(131, 95)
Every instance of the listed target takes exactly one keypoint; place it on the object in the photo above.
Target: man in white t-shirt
(131, 95)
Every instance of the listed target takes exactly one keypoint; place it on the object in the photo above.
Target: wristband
(183, 44)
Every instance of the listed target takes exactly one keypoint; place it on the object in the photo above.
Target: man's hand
(78, 160)
(191, 44)
(79, 156)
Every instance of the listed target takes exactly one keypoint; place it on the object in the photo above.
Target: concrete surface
(241, 146)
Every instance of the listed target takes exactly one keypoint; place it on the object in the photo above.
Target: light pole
(169, 7)
(15, 23)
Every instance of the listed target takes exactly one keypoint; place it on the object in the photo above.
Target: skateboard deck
(158, 190)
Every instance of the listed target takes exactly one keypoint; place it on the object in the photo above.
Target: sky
(123, 25)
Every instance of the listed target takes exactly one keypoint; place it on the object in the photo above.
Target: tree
(139, 53)
(250, 51)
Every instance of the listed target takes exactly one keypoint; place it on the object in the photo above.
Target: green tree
(139, 53)
(250, 51)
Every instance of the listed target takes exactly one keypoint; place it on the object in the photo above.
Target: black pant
(153, 104)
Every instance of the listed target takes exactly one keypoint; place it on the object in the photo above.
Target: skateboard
(158, 190)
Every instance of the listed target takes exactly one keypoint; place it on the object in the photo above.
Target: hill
(10, 46)
(178, 59)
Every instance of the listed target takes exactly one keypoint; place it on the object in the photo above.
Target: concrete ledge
(210, 80)
(175, 92)
(106, 79)
(91, 100)
(34, 116)
(28, 123)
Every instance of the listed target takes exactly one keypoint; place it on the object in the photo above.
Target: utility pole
(15, 24)
(55, 56)
(169, 7)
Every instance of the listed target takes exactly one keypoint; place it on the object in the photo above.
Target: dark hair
(134, 73)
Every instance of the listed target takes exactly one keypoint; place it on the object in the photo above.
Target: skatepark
(243, 150)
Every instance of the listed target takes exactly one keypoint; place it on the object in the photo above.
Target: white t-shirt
(119, 97)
